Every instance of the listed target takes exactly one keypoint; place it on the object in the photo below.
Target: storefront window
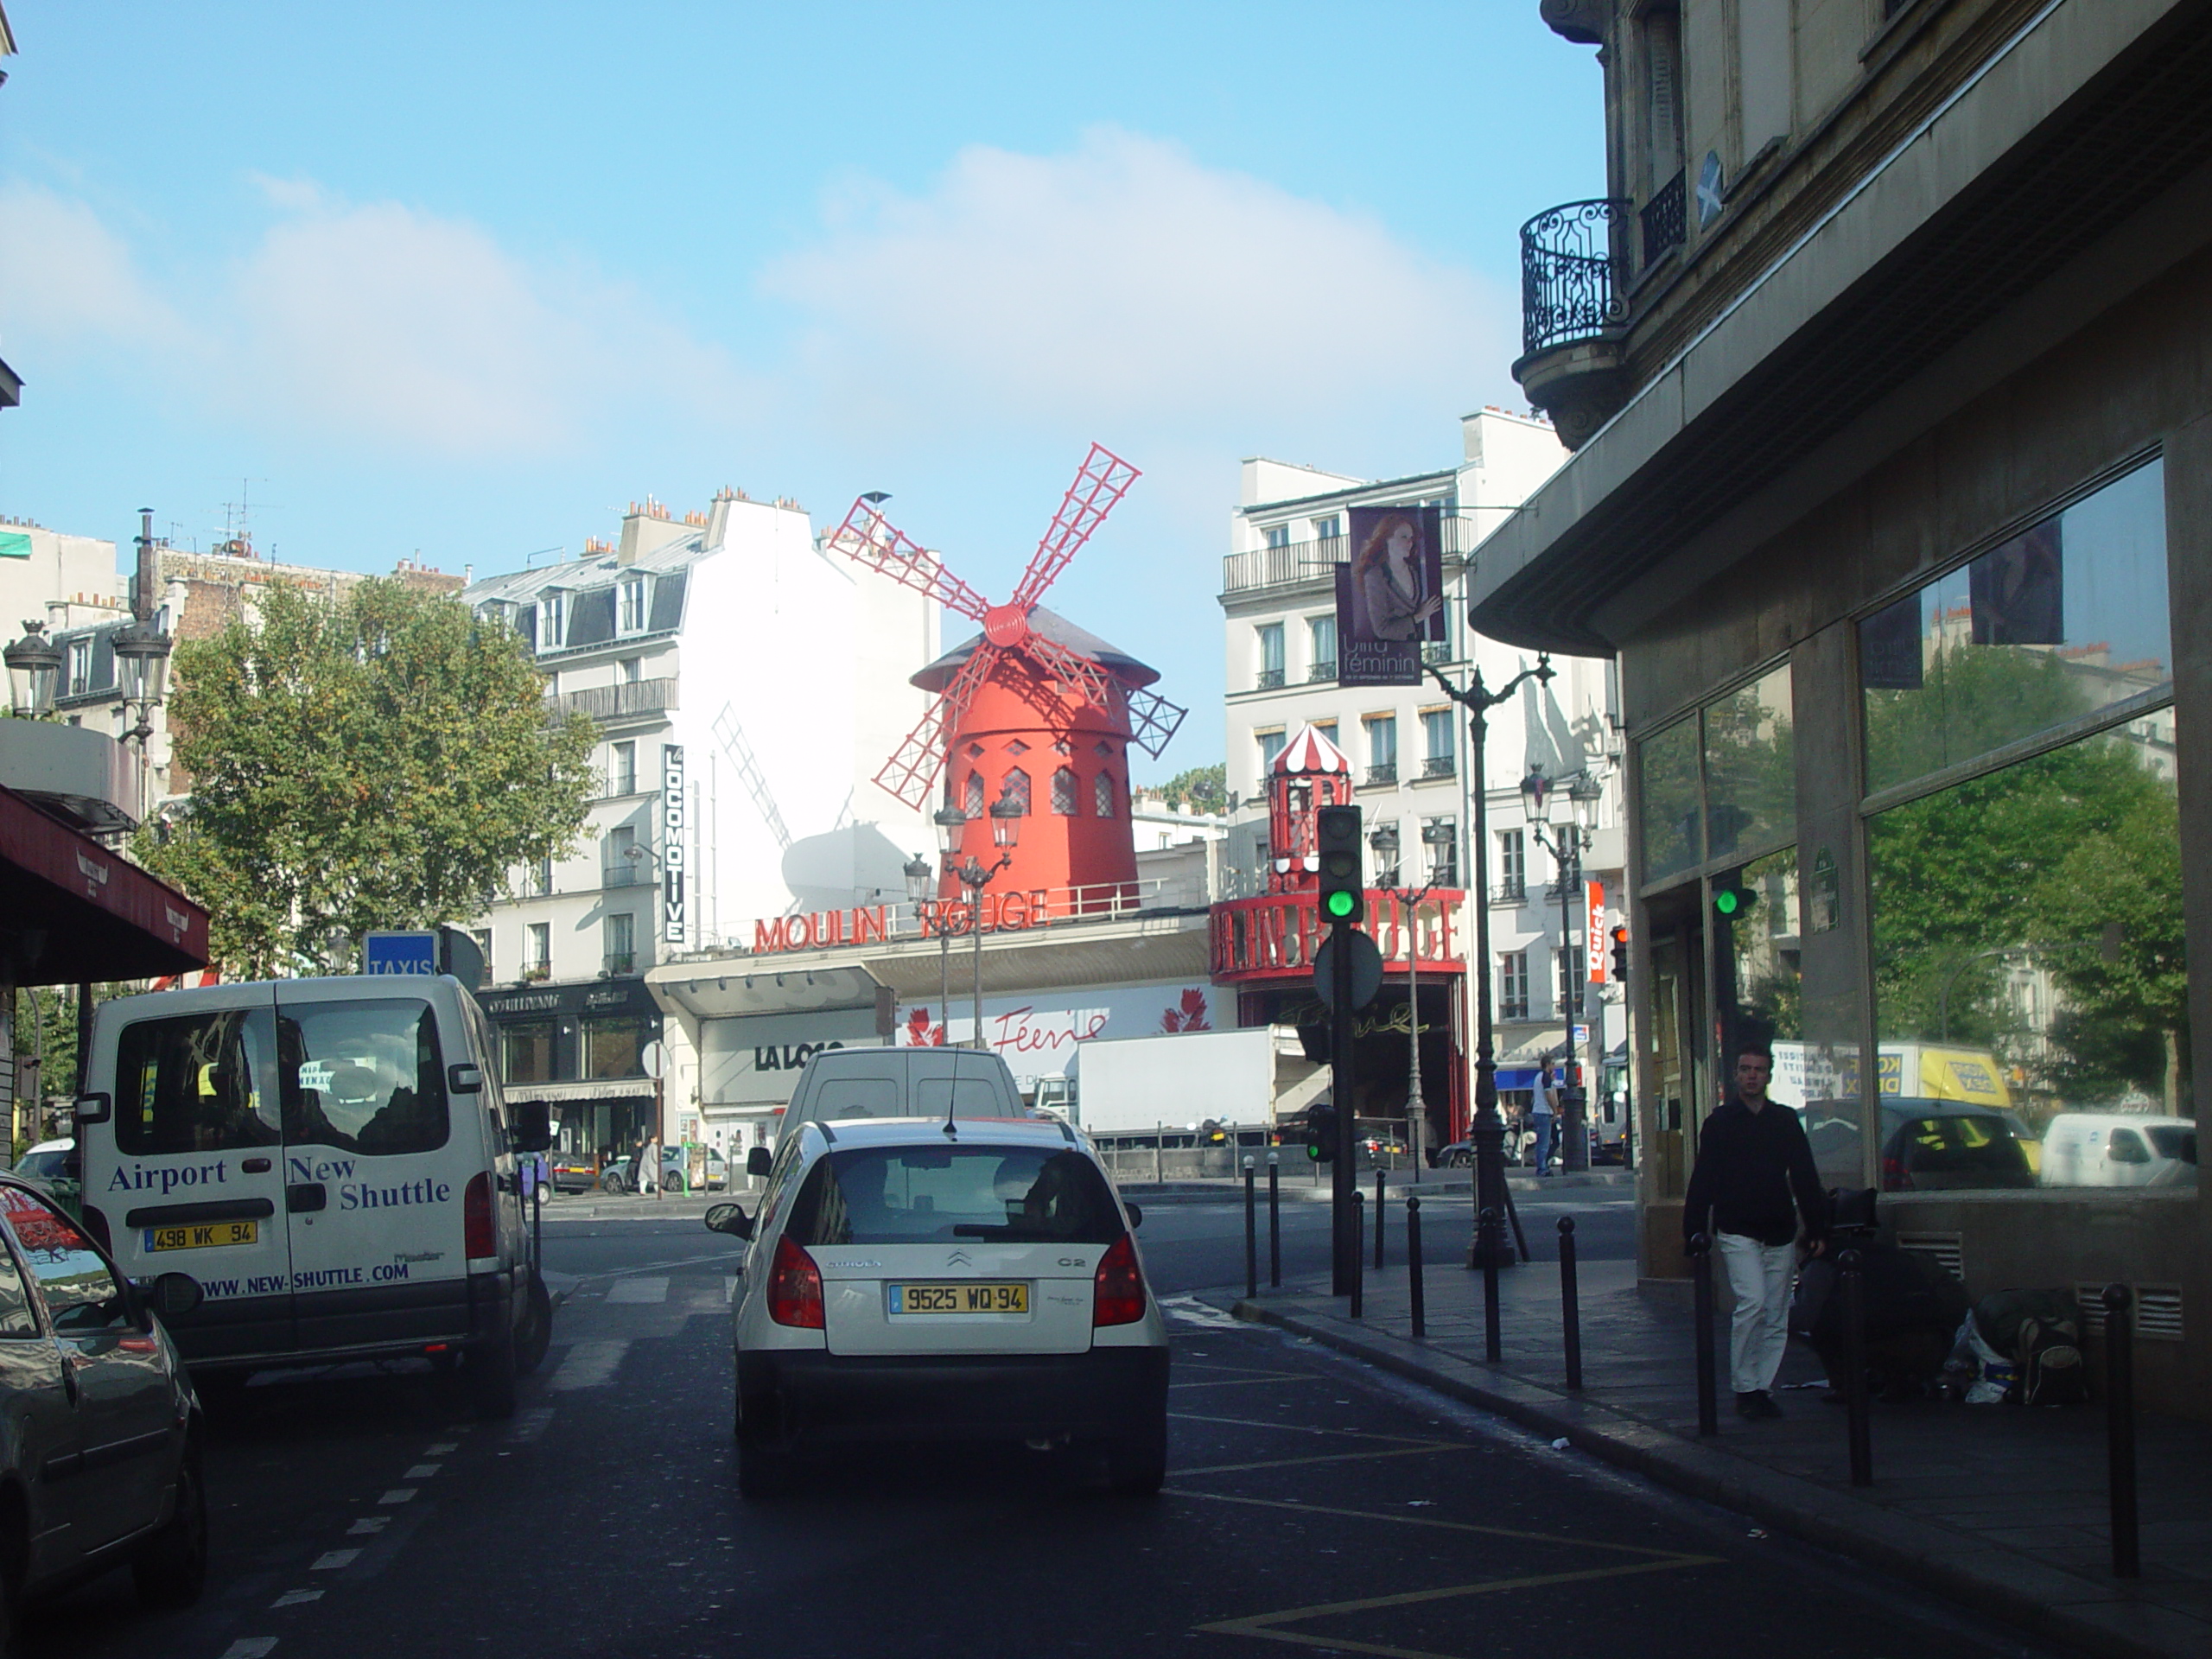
(528, 1051)
(1750, 783)
(2065, 619)
(615, 1048)
(1668, 778)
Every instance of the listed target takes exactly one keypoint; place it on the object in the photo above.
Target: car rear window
(196, 1082)
(960, 1097)
(363, 1076)
(923, 1195)
(2171, 1141)
(840, 1097)
(1960, 1150)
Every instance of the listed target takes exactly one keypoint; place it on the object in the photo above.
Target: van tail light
(96, 1225)
(794, 1287)
(482, 1238)
(1118, 1289)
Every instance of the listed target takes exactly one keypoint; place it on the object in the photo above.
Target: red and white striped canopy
(1308, 751)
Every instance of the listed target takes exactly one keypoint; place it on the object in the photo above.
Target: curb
(2041, 1600)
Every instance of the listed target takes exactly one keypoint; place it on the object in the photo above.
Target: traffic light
(1620, 956)
(1732, 899)
(1342, 891)
(1321, 1133)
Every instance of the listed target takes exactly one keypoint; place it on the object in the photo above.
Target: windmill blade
(914, 765)
(1070, 669)
(868, 537)
(1102, 479)
(1153, 721)
(731, 736)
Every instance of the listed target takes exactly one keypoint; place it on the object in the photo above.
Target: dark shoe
(1755, 1404)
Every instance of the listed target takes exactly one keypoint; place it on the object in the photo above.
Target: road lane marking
(729, 1287)
(368, 1525)
(588, 1365)
(1246, 1382)
(1323, 1457)
(294, 1597)
(440, 1448)
(399, 1495)
(422, 1471)
(1191, 1311)
(250, 1647)
(332, 1560)
(529, 1424)
(640, 1292)
(1519, 1535)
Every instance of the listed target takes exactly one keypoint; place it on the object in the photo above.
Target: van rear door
(187, 1169)
(377, 1166)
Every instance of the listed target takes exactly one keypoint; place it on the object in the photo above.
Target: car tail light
(96, 1225)
(794, 1287)
(1118, 1289)
(482, 1239)
(1895, 1177)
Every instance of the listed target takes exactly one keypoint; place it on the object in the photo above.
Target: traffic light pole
(1343, 1254)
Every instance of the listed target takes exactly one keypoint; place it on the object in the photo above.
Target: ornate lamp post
(921, 887)
(1565, 841)
(1487, 1129)
(34, 665)
(949, 821)
(1435, 838)
(1006, 814)
(142, 664)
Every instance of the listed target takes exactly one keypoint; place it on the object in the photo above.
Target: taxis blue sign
(400, 953)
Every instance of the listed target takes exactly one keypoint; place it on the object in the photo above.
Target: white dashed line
(368, 1526)
(422, 1471)
(730, 1287)
(589, 1365)
(440, 1449)
(331, 1559)
(399, 1495)
(294, 1597)
(644, 1290)
(1191, 1311)
(249, 1647)
(528, 1425)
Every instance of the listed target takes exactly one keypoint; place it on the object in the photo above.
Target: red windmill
(1031, 696)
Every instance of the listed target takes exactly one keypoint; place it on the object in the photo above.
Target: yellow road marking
(1309, 1428)
(1246, 1379)
(1323, 1457)
(1671, 1555)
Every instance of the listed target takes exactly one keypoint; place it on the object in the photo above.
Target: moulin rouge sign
(1003, 912)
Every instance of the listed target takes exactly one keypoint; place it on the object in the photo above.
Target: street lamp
(921, 887)
(1565, 841)
(1487, 1128)
(1006, 814)
(949, 821)
(34, 665)
(1434, 838)
(142, 670)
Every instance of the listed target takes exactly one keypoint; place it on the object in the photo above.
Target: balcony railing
(1439, 765)
(1568, 286)
(1510, 893)
(629, 701)
(1436, 651)
(1664, 220)
(1313, 560)
(1386, 773)
(617, 961)
(622, 871)
(1322, 671)
(538, 970)
(1270, 680)
(1508, 1009)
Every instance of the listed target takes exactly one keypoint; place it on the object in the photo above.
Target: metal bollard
(1251, 1233)
(1570, 1303)
(1378, 1221)
(1274, 1223)
(1358, 1278)
(1493, 1347)
(1708, 1408)
(1418, 1296)
(1854, 1386)
(2119, 1429)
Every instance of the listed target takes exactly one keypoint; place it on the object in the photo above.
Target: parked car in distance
(573, 1172)
(929, 1278)
(1926, 1145)
(2119, 1149)
(620, 1176)
(53, 1165)
(101, 1458)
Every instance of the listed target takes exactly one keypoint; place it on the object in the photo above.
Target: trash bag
(2037, 1336)
(1912, 1309)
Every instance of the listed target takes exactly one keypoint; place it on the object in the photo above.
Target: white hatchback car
(929, 1279)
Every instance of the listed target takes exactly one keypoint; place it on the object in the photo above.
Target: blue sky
(464, 280)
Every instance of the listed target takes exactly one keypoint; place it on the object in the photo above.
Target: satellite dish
(1710, 199)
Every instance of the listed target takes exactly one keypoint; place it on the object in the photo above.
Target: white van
(331, 1160)
(841, 1082)
(2119, 1149)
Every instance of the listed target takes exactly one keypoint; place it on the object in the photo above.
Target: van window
(363, 1076)
(197, 1082)
(959, 1097)
(2171, 1141)
(856, 1097)
(81, 1294)
(2127, 1148)
(920, 1195)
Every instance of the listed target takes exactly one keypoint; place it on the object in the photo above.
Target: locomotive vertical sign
(672, 843)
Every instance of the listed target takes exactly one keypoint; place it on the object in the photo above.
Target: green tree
(380, 759)
(1203, 789)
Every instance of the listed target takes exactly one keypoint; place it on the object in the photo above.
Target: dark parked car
(1927, 1145)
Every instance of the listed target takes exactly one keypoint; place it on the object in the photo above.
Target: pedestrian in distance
(1753, 1191)
(1543, 1116)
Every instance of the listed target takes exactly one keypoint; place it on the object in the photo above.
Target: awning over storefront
(561, 1093)
(71, 911)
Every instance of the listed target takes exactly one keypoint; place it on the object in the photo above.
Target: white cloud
(71, 281)
(1126, 279)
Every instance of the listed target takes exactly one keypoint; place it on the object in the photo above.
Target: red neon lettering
(770, 935)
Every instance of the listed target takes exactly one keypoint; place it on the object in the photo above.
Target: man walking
(1543, 1114)
(1752, 1158)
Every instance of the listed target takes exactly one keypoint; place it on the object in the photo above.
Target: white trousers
(1759, 1274)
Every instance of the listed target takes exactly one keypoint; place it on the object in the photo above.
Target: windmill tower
(1032, 710)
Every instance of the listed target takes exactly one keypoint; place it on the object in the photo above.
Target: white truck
(1128, 1084)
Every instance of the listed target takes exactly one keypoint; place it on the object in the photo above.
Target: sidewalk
(2001, 1509)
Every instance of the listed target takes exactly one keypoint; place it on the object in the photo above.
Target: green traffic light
(1727, 901)
(1340, 903)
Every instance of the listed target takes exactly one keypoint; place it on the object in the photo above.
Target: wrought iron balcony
(617, 961)
(1665, 220)
(1511, 1009)
(1510, 893)
(1314, 560)
(1386, 772)
(1568, 286)
(1322, 671)
(1270, 680)
(1438, 766)
(632, 700)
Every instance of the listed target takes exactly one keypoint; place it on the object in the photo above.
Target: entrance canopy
(71, 911)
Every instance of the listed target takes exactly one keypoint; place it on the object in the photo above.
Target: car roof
(67, 1144)
(844, 1132)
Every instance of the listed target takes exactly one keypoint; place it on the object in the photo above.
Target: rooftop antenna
(952, 1094)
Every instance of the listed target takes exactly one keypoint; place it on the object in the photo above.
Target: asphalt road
(1310, 1500)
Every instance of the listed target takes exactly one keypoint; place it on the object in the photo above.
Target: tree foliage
(379, 759)
(1202, 789)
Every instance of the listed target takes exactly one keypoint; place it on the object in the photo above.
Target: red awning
(71, 911)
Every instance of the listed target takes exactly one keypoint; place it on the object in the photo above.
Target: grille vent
(2158, 1311)
(1943, 1250)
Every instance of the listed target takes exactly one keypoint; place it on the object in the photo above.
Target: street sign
(1594, 930)
(400, 953)
(1366, 970)
(654, 1058)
